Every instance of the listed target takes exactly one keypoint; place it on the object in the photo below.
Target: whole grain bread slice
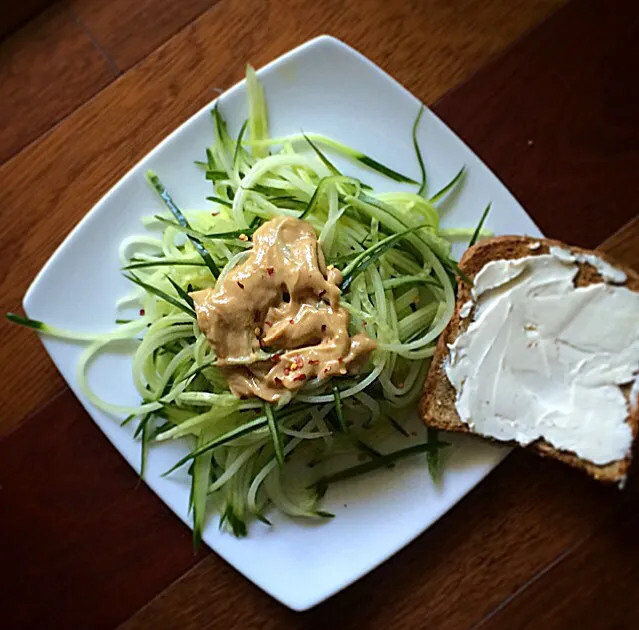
(437, 406)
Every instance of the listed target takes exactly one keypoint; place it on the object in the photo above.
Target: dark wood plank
(128, 31)
(428, 46)
(47, 69)
(625, 244)
(530, 512)
(512, 526)
(593, 587)
(558, 121)
(82, 544)
(14, 14)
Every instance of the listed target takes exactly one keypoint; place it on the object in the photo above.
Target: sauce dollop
(282, 300)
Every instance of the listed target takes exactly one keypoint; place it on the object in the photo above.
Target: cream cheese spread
(465, 309)
(606, 270)
(545, 359)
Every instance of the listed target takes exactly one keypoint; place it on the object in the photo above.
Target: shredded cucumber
(399, 288)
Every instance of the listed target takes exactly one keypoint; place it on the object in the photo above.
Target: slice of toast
(437, 405)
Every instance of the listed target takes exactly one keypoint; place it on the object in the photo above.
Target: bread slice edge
(437, 405)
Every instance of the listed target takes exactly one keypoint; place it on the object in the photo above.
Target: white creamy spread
(465, 309)
(634, 394)
(545, 359)
(606, 270)
(534, 245)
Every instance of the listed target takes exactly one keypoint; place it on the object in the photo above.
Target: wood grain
(591, 587)
(428, 45)
(535, 543)
(128, 31)
(14, 14)
(567, 145)
(82, 544)
(47, 70)
(516, 522)
(624, 244)
(526, 516)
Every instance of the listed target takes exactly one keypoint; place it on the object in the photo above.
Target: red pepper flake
(268, 323)
(239, 284)
(270, 271)
(299, 361)
(141, 312)
(313, 361)
(340, 360)
(278, 381)
(275, 358)
(300, 377)
(291, 321)
(323, 327)
(286, 371)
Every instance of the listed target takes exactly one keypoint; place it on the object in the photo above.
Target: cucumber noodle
(401, 293)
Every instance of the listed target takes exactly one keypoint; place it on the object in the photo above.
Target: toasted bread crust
(437, 406)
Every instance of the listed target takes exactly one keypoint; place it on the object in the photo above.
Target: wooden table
(88, 87)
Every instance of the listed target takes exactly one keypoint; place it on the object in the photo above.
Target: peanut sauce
(282, 301)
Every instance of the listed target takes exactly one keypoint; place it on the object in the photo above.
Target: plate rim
(301, 600)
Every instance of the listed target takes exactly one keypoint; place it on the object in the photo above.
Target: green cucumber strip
(181, 292)
(432, 457)
(229, 436)
(454, 268)
(144, 444)
(127, 420)
(344, 149)
(238, 144)
(366, 448)
(380, 462)
(222, 202)
(161, 294)
(327, 163)
(398, 427)
(339, 411)
(418, 153)
(159, 188)
(238, 526)
(479, 227)
(369, 256)
(320, 190)
(274, 430)
(210, 162)
(260, 517)
(216, 175)
(144, 264)
(26, 322)
(213, 236)
(258, 116)
(448, 187)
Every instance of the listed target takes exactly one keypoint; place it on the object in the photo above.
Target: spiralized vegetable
(399, 287)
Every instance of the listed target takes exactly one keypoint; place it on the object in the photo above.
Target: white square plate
(323, 86)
